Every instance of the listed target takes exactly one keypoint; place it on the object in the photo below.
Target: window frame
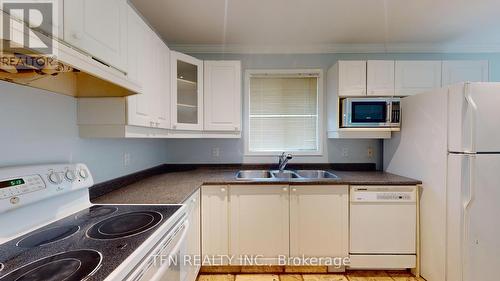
(246, 111)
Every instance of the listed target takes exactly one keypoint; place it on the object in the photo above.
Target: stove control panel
(21, 185)
(27, 184)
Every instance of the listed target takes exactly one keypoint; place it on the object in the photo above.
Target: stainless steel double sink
(286, 175)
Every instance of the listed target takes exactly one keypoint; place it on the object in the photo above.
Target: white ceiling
(326, 25)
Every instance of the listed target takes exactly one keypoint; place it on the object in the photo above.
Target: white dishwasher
(383, 227)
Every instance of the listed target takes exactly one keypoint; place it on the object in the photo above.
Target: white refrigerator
(450, 139)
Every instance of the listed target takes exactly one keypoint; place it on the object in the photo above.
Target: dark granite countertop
(176, 187)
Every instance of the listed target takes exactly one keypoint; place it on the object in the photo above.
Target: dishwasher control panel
(383, 194)
(394, 196)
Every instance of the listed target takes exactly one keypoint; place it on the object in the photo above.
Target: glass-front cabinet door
(187, 92)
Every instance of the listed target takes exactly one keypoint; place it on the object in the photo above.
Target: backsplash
(232, 151)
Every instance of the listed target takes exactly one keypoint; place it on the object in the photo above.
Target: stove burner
(48, 236)
(124, 225)
(67, 266)
(1, 267)
(98, 211)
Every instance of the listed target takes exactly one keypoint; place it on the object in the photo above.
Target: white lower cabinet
(194, 236)
(259, 223)
(269, 223)
(215, 223)
(319, 224)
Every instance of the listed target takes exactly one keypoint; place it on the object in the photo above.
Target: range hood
(67, 71)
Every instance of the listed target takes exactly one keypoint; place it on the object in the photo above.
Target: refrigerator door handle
(470, 196)
(472, 117)
(470, 191)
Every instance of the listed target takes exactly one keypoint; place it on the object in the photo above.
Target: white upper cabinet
(139, 106)
(99, 28)
(222, 95)
(462, 71)
(413, 77)
(163, 77)
(149, 61)
(319, 221)
(362, 78)
(380, 78)
(259, 221)
(352, 78)
(187, 92)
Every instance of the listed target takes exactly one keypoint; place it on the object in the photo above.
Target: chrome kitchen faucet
(283, 160)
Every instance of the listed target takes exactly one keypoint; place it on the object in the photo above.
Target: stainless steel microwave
(371, 112)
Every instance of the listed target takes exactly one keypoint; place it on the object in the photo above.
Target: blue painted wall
(39, 127)
(231, 151)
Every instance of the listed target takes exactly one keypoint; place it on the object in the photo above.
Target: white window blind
(283, 114)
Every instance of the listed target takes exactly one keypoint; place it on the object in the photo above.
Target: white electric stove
(50, 231)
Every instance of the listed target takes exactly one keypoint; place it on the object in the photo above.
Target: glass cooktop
(87, 245)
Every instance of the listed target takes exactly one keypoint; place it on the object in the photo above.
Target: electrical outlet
(370, 152)
(345, 152)
(126, 159)
(215, 152)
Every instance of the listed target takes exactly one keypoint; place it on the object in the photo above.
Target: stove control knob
(54, 178)
(70, 175)
(84, 173)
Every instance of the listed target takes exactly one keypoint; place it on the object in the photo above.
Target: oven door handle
(164, 267)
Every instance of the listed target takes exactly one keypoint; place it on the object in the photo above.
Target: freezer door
(473, 116)
(473, 230)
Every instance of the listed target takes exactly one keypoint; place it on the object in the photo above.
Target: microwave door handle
(164, 267)
(388, 115)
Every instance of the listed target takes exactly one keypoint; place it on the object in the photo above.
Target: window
(283, 113)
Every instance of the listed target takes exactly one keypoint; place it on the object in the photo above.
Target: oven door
(366, 113)
(166, 261)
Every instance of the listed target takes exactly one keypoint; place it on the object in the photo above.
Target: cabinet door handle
(285, 189)
(294, 189)
(223, 189)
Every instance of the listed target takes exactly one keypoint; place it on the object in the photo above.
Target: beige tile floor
(283, 276)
